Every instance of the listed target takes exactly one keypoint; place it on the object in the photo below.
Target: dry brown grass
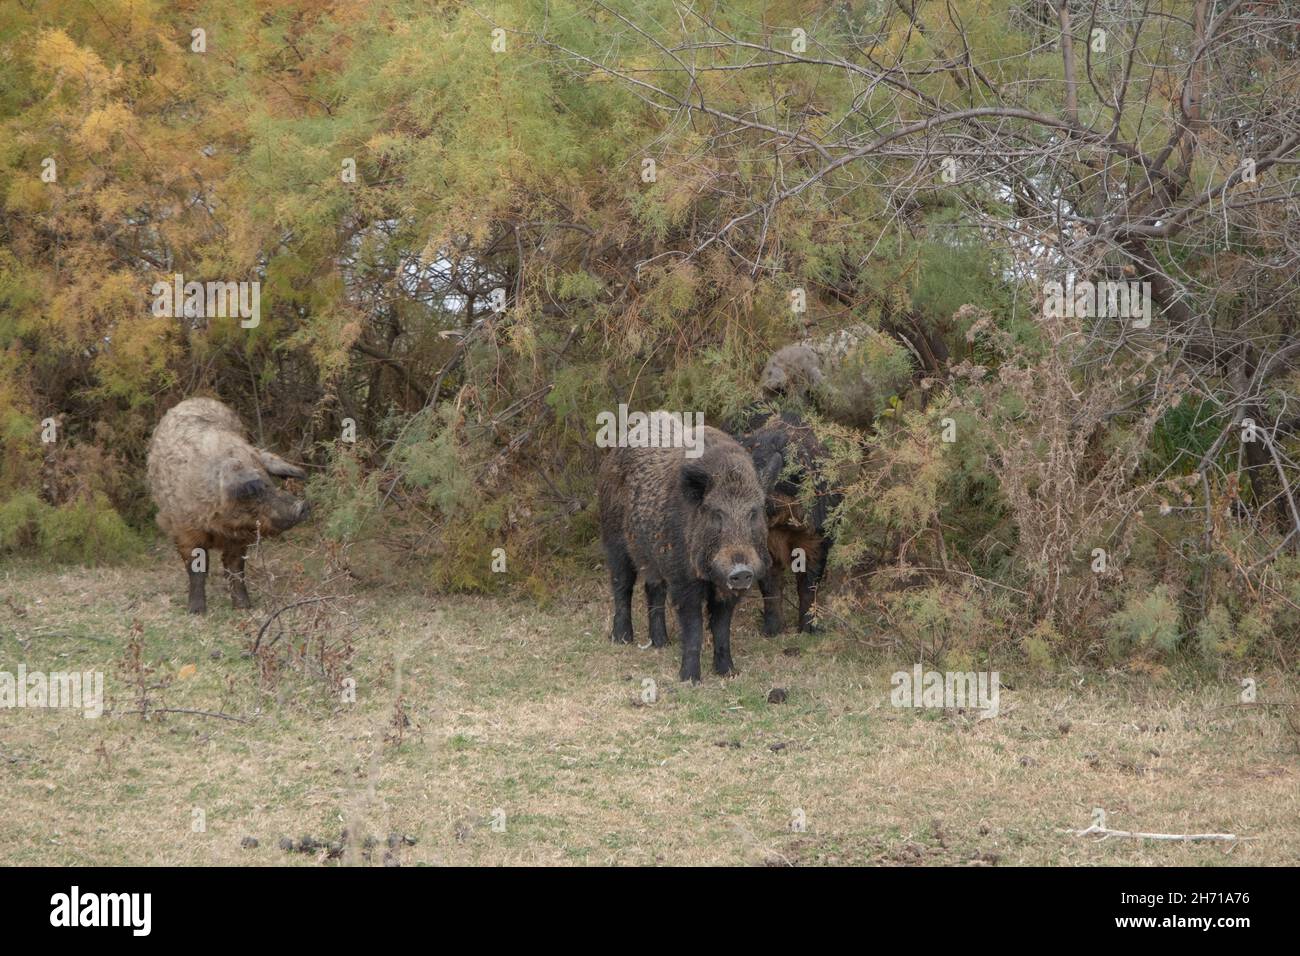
(533, 712)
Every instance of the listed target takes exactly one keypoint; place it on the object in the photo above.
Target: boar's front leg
(196, 564)
(656, 598)
(622, 579)
(233, 559)
(691, 623)
(806, 596)
(720, 611)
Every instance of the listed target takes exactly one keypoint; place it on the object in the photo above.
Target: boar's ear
(241, 483)
(247, 490)
(278, 466)
(769, 471)
(695, 482)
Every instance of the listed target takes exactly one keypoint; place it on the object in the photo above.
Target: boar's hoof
(621, 637)
(771, 626)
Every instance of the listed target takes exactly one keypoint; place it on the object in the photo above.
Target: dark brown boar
(800, 502)
(214, 492)
(693, 528)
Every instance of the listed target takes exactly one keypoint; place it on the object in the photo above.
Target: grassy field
(490, 731)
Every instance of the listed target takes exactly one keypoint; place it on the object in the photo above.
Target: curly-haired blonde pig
(214, 492)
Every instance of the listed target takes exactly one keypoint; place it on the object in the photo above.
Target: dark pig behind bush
(214, 492)
(799, 507)
(694, 528)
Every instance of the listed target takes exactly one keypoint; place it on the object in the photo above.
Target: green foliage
(1219, 636)
(344, 493)
(917, 467)
(1183, 436)
(1214, 632)
(84, 531)
(1039, 645)
(948, 624)
(87, 532)
(955, 273)
(20, 520)
(433, 460)
(1148, 622)
(716, 381)
(867, 381)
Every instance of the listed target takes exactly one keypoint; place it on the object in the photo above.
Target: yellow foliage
(111, 201)
(101, 125)
(27, 194)
(134, 354)
(58, 55)
(91, 300)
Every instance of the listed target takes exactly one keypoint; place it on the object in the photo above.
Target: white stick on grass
(1100, 829)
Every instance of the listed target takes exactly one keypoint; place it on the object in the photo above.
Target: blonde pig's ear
(240, 482)
(278, 466)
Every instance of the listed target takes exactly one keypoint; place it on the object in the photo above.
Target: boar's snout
(737, 565)
(288, 511)
(773, 381)
(741, 577)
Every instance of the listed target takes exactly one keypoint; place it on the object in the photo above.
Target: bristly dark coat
(799, 508)
(693, 528)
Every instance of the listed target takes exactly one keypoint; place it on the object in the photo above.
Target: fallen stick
(1106, 834)
(182, 710)
(1100, 829)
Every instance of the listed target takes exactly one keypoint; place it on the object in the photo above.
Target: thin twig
(267, 623)
(182, 710)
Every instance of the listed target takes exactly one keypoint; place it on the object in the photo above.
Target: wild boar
(794, 370)
(799, 505)
(848, 376)
(214, 492)
(693, 528)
